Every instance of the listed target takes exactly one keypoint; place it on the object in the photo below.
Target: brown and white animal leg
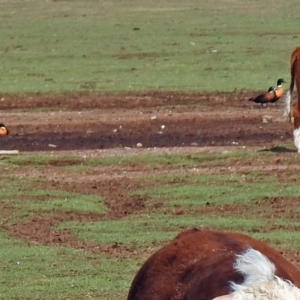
(297, 128)
(288, 106)
(296, 71)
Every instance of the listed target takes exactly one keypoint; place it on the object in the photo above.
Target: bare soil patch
(87, 122)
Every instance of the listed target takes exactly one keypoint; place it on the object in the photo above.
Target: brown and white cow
(201, 264)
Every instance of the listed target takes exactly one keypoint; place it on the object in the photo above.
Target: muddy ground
(103, 125)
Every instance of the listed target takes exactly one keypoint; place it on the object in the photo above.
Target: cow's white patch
(297, 139)
(260, 280)
(255, 266)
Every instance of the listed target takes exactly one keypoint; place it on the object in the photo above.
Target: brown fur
(296, 114)
(198, 265)
(295, 79)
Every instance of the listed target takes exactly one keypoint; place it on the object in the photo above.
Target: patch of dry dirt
(87, 122)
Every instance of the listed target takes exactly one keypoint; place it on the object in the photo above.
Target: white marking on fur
(297, 138)
(260, 281)
(287, 99)
(254, 266)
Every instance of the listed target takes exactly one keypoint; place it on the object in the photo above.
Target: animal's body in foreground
(289, 108)
(201, 264)
(272, 96)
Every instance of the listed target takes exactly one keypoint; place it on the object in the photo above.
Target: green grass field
(55, 46)
(174, 200)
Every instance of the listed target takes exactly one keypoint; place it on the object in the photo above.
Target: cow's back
(198, 264)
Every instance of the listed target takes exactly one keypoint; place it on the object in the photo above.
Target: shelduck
(272, 96)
